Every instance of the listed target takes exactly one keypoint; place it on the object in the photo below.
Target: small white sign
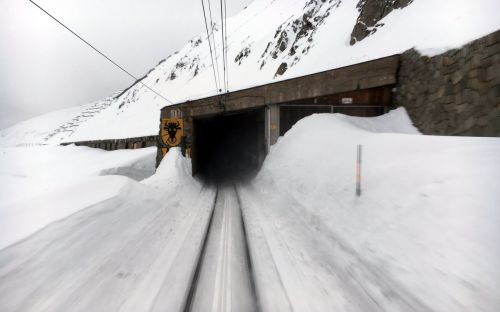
(346, 100)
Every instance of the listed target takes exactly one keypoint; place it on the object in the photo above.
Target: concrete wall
(372, 74)
(455, 93)
(128, 143)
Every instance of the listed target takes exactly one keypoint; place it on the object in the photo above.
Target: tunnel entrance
(229, 146)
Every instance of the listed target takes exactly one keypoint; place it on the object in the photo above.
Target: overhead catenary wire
(226, 45)
(213, 41)
(210, 46)
(234, 31)
(223, 44)
(101, 53)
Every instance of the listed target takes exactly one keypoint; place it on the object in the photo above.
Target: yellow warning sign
(171, 131)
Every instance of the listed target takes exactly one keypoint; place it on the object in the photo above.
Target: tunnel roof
(371, 74)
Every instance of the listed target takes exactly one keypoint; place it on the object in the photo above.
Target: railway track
(223, 276)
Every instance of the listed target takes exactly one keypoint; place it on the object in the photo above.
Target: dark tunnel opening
(229, 147)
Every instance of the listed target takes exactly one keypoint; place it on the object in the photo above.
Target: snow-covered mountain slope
(53, 127)
(279, 39)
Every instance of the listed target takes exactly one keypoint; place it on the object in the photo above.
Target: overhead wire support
(101, 53)
(210, 46)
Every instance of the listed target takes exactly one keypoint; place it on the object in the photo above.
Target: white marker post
(358, 172)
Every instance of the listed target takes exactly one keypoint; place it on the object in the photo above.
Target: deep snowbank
(173, 171)
(429, 215)
(136, 251)
(42, 184)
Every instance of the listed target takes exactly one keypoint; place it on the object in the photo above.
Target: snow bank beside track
(136, 251)
(429, 214)
(43, 184)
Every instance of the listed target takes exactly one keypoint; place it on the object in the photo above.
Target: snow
(396, 121)
(34, 130)
(224, 275)
(429, 26)
(51, 128)
(174, 170)
(44, 184)
(426, 227)
(133, 252)
(423, 236)
(79, 232)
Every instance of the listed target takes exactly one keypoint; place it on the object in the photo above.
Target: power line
(213, 41)
(210, 46)
(227, 47)
(102, 54)
(223, 44)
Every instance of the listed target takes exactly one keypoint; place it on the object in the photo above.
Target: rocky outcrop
(244, 53)
(295, 36)
(371, 12)
(189, 62)
(281, 69)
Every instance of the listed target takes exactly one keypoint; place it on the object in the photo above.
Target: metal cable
(102, 54)
(213, 41)
(227, 47)
(210, 46)
(223, 43)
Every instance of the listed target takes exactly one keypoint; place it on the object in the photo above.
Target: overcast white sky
(43, 67)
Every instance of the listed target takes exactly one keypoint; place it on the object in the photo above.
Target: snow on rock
(44, 184)
(425, 229)
(268, 41)
(295, 36)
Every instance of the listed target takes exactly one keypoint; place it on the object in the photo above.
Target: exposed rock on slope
(295, 36)
(371, 12)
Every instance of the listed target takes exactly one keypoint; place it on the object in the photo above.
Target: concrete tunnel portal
(228, 136)
(229, 146)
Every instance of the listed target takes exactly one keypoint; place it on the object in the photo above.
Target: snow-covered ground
(309, 36)
(423, 236)
(45, 183)
(133, 252)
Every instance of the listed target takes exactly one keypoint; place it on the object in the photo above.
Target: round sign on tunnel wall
(172, 129)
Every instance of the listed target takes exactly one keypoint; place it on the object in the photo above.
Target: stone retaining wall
(115, 144)
(455, 93)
